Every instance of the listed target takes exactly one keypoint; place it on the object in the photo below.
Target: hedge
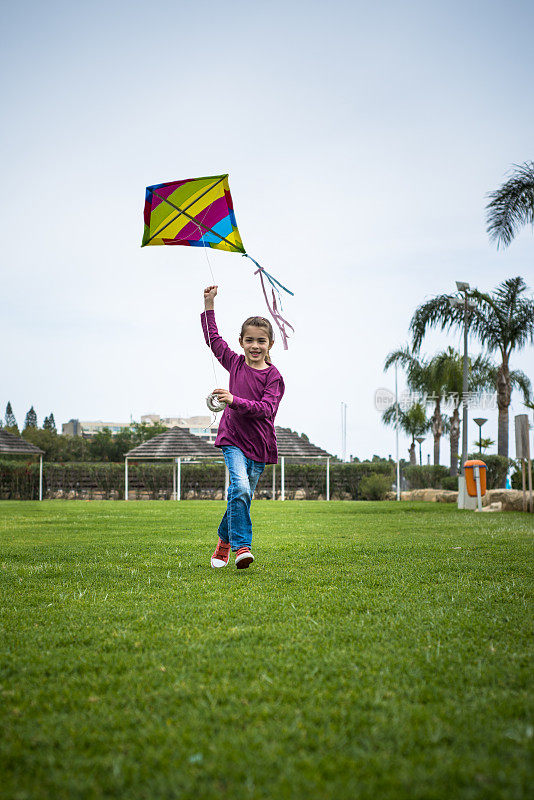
(438, 477)
(427, 477)
(19, 480)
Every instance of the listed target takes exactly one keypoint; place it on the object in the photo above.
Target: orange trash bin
(470, 481)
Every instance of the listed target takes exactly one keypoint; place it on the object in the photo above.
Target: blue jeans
(236, 526)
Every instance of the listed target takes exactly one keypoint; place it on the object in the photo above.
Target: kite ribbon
(273, 310)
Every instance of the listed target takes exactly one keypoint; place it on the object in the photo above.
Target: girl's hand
(224, 396)
(209, 296)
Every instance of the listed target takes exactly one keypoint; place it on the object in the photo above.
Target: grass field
(372, 651)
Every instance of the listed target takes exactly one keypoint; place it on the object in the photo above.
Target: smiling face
(255, 342)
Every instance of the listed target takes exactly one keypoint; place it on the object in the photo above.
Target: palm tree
(502, 321)
(481, 376)
(422, 377)
(439, 379)
(482, 444)
(413, 422)
(511, 205)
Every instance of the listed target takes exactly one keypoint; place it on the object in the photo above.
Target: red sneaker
(221, 555)
(243, 558)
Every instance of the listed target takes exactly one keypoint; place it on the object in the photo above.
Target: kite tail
(273, 309)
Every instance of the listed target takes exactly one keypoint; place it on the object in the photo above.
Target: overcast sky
(360, 139)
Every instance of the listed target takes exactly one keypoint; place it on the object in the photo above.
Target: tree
(106, 446)
(502, 321)
(31, 419)
(413, 422)
(511, 205)
(481, 375)
(424, 377)
(140, 432)
(49, 423)
(11, 422)
(482, 445)
(438, 380)
(72, 448)
(103, 446)
(46, 440)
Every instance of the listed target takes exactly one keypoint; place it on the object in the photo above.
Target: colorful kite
(199, 212)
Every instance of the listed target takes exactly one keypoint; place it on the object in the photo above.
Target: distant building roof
(174, 443)
(291, 444)
(16, 445)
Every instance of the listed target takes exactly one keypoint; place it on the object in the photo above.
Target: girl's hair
(259, 322)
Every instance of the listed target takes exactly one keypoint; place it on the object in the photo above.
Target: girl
(246, 430)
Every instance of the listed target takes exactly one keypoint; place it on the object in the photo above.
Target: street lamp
(480, 422)
(420, 439)
(467, 306)
(343, 431)
(457, 302)
(397, 436)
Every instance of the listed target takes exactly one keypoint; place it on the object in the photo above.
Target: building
(85, 428)
(199, 426)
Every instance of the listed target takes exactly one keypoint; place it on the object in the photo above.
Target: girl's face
(255, 342)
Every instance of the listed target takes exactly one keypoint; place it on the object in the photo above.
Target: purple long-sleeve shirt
(248, 422)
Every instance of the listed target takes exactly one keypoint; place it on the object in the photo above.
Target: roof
(16, 445)
(179, 443)
(174, 443)
(291, 444)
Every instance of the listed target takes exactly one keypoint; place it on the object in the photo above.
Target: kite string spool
(214, 403)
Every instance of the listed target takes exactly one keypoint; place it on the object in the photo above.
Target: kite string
(205, 248)
(206, 316)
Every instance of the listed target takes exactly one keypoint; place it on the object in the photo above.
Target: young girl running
(246, 430)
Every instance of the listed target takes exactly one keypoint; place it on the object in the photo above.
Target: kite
(199, 212)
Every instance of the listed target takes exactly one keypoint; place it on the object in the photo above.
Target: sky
(361, 141)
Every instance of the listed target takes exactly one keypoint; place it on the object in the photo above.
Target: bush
(374, 487)
(427, 477)
(497, 467)
(450, 482)
(517, 476)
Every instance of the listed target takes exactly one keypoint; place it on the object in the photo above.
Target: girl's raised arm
(219, 347)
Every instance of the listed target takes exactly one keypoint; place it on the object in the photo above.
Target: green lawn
(372, 651)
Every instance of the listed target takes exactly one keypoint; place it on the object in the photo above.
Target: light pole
(420, 439)
(397, 435)
(343, 431)
(467, 306)
(480, 422)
